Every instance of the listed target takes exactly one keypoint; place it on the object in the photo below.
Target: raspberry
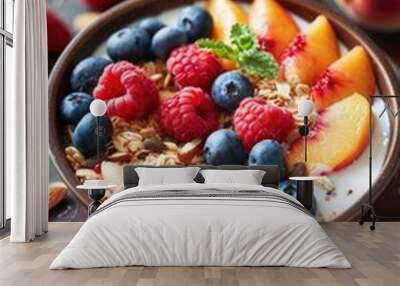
(58, 33)
(129, 93)
(188, 115)
(97, 168)
(254, 120)
(99, 5)
(191, 66)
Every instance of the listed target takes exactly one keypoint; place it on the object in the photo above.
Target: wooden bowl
(85, 43)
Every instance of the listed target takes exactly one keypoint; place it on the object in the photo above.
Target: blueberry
(151, 25)
(268, 152)
(223, 147)
(74, 106)
(167, 39)
(288, 187)
(86, 73)
(130, 44)
(229, 89)
(85, 138)
(196, 22)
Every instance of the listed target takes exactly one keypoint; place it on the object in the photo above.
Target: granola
(283, 95)
(74, 157)
(141, 142)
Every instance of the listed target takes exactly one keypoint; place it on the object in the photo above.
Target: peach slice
(337, 137)
(310, 53)
(273, 25)
(351, 73)
(225, 14)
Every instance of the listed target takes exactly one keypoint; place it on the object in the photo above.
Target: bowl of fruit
(373, 14)
(218, 82)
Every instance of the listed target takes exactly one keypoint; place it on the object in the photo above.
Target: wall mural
(189, 91)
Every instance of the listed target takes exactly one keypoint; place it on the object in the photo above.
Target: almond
(74, 157)
(120, 157)
(148, 132)
(131, 136)
(135, 146)
(167, 80)
(57, 192)
(87, 174)
(156, 76)
(120, 143)
(189, 150)
(171, 146)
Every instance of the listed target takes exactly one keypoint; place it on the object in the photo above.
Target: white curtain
(27, 124)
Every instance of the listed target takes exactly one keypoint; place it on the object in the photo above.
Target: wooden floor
(375, 257)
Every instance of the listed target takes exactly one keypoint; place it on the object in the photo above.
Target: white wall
(8, 92)
(9, 19)
(9, 11)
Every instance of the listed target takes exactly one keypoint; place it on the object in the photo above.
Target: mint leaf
(258, 63)
(217, 47)
(244, 50)
(243, 38)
